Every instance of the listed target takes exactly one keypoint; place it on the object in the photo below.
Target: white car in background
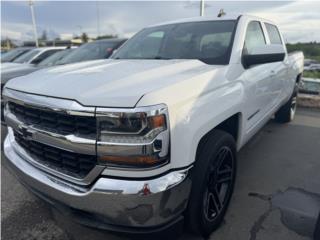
(24, 69)
(33, 56)
(24, 64)
(12, 54)
(312, 67)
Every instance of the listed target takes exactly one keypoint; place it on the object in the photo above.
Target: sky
(298, 20)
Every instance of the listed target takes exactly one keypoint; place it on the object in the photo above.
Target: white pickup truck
(148, 139)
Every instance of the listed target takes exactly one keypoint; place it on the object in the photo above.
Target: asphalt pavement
(277, 193)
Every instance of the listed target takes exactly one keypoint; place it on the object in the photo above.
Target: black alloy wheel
(219, 183)
(213, 178)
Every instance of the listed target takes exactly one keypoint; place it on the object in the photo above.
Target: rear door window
(273, 33)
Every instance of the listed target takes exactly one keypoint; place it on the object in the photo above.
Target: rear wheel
(212, 183)
(287, 112)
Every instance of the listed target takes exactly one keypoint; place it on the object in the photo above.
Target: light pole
(34, 23)
(201, 8)
(98, 19)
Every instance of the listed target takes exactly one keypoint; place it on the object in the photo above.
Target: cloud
(16, 31)
(12, 34)
(24, 31)
(299, 20)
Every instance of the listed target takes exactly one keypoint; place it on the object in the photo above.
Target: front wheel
(213, 180)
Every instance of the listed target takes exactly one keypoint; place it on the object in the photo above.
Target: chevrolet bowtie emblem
(25, 132)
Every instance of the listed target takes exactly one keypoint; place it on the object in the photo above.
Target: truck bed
(296, 60)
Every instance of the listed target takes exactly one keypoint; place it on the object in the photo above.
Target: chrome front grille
(59, 135)
(70, 163)
(55, 122)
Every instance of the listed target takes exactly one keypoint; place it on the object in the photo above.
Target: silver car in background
(14, 53)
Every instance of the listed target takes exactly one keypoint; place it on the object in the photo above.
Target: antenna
(221, 13)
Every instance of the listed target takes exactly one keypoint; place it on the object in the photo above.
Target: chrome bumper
(128, 203)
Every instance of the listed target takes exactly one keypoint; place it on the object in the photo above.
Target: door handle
(272, 73)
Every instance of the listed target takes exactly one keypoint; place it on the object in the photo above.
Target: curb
(310, 101)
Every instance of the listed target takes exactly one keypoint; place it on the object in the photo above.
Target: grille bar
(70, 163)
(56, 122)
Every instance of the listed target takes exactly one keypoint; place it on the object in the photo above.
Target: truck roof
(213, 18)
(111, 40)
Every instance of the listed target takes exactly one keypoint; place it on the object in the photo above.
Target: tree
(44, 36)
(311, 50)
(84, 37)
(7, 43)
(106, 36)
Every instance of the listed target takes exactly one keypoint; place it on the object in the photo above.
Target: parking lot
(277, 194)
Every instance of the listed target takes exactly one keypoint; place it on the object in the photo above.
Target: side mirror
(113, 53)
(263, 54)
(36, 61)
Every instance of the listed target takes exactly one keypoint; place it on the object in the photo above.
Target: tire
(209, 199)
(316, 235)
(287, 112)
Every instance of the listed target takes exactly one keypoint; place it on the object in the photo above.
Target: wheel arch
(231, 125)
(299, 78)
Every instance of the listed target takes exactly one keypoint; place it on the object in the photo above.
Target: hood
(109, 83)
(16, 71)
(9, 65)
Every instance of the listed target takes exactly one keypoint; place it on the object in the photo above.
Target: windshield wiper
(161, 58)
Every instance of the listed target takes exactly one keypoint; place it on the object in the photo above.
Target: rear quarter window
(273, 33)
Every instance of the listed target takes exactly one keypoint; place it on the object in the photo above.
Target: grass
(317, 58)
(311, 74)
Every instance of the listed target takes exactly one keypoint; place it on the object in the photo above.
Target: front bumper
(118, 203)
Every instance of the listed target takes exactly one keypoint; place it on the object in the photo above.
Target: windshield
(208, 41)
(27, 56)
(90, 51)
(12, 54)
(55, 58)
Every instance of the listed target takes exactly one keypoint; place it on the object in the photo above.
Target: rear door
(279, 70)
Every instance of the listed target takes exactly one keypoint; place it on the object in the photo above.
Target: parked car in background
(33, 56)
(308, 62)
(23, 69)
(313, 67)
(99, 49)
(29, 62)
(54, 59)
(148, 139)
(310, 86)
(37, 55)
(14, 53)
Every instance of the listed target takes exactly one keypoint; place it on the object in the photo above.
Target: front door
(258, 79)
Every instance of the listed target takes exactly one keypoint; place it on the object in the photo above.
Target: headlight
(133, 138)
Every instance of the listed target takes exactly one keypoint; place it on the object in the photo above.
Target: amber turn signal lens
(129, 160)
(157, 121)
